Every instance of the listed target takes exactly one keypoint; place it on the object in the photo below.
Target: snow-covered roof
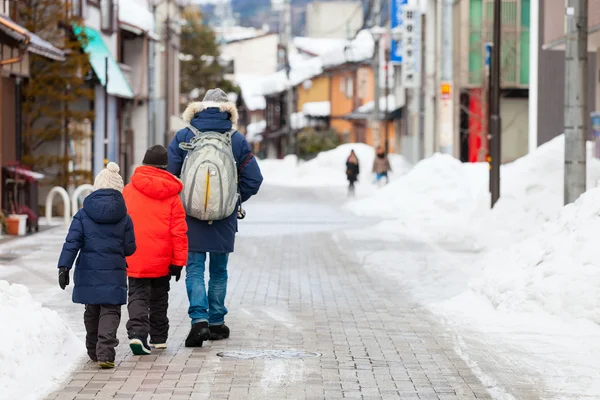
(252, 88)
(318, 46)
(357, 50)
(391, 103)
(333, 53)
(317, 109)
(254, 131)
(136, 15)
(37, 45)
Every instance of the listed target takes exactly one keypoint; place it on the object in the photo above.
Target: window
(107, 15)
(349, 87)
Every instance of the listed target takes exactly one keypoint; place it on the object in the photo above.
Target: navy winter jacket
(102, 234)
(218, 237)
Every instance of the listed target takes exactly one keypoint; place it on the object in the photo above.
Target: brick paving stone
(295, 289)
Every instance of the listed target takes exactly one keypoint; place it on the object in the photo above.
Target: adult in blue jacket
(100, 237)
(207, 311)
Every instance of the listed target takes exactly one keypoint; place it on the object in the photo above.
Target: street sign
(411, 47)
(488, 54)
(396, 21)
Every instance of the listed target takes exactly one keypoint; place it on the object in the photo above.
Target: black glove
(63, 277)
(175, 271)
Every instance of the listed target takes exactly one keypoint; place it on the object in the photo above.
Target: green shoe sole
(138, 348)
(106, 364)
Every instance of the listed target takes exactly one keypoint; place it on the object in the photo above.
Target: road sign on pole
(396, 21)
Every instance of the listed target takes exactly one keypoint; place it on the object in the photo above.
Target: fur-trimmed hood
(198, 106)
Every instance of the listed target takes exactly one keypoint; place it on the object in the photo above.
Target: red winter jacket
(158, 216)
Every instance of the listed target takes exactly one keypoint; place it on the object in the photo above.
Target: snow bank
(38, 349)
(447, 199)
(328, 168)
(556, 270)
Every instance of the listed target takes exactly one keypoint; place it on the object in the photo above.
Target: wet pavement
(308, 321)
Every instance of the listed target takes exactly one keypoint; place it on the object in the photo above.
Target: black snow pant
(101, 324)
(147, 306)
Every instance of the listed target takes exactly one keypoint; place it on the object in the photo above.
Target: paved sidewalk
(295, 289)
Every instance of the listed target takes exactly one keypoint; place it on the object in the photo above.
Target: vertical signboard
(411, 47)
(446, 116)
(396, 21)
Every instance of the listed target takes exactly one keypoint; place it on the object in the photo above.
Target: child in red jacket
(153, 203)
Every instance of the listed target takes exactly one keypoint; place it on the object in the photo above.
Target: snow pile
(35, 343)
(447, 199)
(437, 195)
(328, 168)
(557, 270)
(532, 194)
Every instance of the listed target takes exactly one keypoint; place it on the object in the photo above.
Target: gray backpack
(209, 175)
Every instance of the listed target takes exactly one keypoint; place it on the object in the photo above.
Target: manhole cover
(8, 257)
(251, 354)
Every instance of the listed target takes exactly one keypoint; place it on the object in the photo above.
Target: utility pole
(495, 124)
(429, 81)
(167, 70)
(289, 96)
(576, 121)
(106, 112)
(447, 108)
(376, 125)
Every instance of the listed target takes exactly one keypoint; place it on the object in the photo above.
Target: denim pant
(203, 307)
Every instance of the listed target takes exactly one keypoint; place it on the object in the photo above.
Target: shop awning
(98, 53)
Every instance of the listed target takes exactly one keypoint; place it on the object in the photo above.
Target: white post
(534, 47)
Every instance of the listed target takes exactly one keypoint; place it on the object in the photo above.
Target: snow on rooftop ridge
(251, 87)
(254, 131)
(391, 103)
(318, 46)
(136, 15)
(317, 109)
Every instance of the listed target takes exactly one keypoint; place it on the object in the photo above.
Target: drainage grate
(252, 354)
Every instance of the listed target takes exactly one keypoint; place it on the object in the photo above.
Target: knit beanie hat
(109, 178)
(156, 156)
(216, 95)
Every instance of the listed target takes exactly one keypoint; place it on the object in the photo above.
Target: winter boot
(219, 332)
(139, 346)
(198, 334)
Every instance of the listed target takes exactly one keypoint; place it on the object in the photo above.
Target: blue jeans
(203, 307)
(381, 176)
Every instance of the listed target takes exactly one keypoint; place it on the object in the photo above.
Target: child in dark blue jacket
(102, 234)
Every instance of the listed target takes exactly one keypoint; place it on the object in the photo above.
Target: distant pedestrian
(381, 166)
(158, 216)
(100, 237)
(219, 173)
(352, 172)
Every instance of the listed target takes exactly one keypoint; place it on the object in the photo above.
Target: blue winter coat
(218, 237)
(102, 234)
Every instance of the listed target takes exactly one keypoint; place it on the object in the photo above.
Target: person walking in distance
(381, 166)
(158, 216)
(100, 237)
(219, 172)
(352, 171)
